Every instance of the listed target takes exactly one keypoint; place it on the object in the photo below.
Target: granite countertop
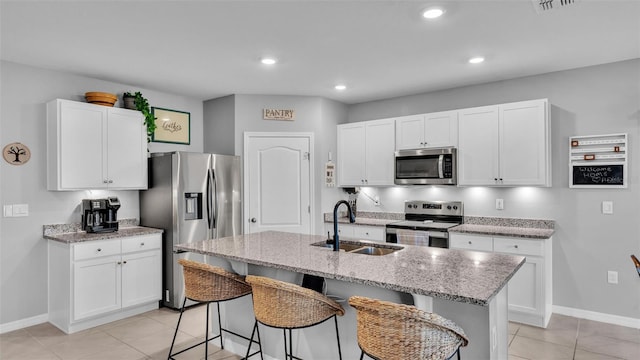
(532, 233)
(82, 236)
(456, 275)
(369, 218)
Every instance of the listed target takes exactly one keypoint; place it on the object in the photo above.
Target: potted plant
(141, 104)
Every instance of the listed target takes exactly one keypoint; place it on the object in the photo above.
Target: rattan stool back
(389, 331)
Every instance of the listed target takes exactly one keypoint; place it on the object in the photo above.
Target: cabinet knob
(366, 233)
(119, 263)
(141, 244)
(124, 262)
(110, 181)
(99, 249)
(469, 242)
(105, 181)
(495, 179)
(515, 246)
(253, 220)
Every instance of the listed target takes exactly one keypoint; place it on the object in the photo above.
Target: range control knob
(455, 207)
(448, 207)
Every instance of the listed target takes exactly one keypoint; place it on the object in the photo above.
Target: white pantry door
(278, 182)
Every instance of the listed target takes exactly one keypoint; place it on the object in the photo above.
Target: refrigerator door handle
(214, 214)
(208, 195)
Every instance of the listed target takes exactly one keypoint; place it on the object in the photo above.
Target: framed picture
(172, 126)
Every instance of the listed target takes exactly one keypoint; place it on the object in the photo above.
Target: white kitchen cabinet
(530, 290)
(366, 153)
(427, 130)
(357, 232)
(505, 145)
(95, 282)
(95, 147)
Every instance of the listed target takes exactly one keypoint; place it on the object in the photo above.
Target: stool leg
(206, 336)
(361, 354)
(177, 326)
(284, 332)
(220, 325)
(290, 345)
(259, 340)
(255, 331)
(338, 337)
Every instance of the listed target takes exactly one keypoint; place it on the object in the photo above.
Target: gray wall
(312, 114)
(23, 252)
(589, 101)
(219, 115)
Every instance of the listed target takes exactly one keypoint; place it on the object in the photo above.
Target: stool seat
(206, 283)
(288, 306)
(389, 331)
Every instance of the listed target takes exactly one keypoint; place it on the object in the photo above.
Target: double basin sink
(362, 247)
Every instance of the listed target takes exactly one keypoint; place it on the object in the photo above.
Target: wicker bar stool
(288, 306)
(206, 284)
(389, 331)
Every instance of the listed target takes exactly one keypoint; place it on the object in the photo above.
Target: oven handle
(441, 166)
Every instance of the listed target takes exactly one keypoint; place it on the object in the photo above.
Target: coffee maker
(100, 215)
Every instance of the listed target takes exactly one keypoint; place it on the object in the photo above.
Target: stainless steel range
(426, 223)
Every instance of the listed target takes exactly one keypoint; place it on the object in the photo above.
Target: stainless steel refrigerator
(193, 197)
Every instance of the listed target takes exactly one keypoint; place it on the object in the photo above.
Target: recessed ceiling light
(268, 61)
(476, 60)
(433, 13)
(340, 87)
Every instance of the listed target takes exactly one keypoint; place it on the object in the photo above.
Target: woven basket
(101, 98)
(284, 305)
(390, 331)
(204, 283)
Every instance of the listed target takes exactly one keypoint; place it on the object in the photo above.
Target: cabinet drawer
(96, 249)
(369, 233)
(471, 242)
(141, 243)
(518, 246)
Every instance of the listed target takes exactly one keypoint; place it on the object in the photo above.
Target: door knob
(253, 220)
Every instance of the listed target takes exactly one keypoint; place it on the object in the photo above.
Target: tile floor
(148, 336)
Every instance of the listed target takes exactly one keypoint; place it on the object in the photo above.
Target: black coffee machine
(100, 215)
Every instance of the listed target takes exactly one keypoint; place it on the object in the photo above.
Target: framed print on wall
(172, 126)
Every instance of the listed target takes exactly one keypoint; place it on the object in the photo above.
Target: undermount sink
(362, 247)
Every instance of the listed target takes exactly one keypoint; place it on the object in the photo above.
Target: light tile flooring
(148, 336)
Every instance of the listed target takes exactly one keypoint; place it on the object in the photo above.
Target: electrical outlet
(607, 207)
(612, 277)
(499, 204)
(21, 210)
(376, 200)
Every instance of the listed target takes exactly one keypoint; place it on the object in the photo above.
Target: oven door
(435, 238)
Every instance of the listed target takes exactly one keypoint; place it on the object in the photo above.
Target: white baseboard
(596, 316)
(23, 323)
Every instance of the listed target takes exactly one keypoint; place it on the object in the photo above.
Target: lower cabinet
(530, 289)
(95, 282)
(357, 232)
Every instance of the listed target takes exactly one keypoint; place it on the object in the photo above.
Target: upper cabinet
(505, 145)
(95, 147)
(427, 130)
(366, 153)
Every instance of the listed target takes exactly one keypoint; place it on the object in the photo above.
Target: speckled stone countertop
(367, 218)
(455, 275)
(514, 227)
(72, 233)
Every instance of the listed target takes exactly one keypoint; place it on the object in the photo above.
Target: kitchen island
(465, 286)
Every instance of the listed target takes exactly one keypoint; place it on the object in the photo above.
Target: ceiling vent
(544, 5)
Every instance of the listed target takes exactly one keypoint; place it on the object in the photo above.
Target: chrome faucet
(352, 219)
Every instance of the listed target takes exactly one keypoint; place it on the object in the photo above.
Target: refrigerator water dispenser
(193, 206)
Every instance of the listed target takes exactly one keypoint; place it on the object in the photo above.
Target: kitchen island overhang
(448, 281)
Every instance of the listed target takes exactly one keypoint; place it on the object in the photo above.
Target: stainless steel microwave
(426, 166)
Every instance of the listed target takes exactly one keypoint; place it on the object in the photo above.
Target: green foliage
(142, 105)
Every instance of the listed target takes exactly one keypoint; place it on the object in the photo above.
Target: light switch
(499, 204)
(21, 210)
(607, 207)
(8, 210)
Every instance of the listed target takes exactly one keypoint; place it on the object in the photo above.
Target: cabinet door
(524, 143)
(141, 278)
(96, 287)
(351, 154)
(410, 132)
(80, 141)
(380, 152)
(441, 129)
(526, 288)
(127, 150)
(478, 146)
(375, 233)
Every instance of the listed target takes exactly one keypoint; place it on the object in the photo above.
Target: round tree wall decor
(16, 153)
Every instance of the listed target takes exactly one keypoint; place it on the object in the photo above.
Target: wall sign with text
(278, 114)
(172, 126)
(598, 161)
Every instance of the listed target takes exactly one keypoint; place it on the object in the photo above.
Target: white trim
(23, 323)
(597, 316)
(312, 157)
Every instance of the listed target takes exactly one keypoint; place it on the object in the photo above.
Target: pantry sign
(278, 114)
